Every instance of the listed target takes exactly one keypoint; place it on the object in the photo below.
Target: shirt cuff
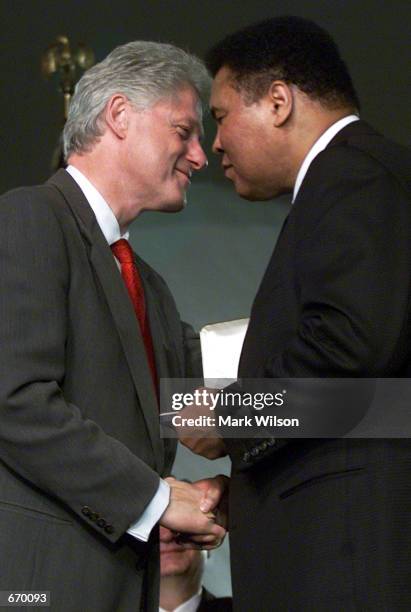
(141, 529)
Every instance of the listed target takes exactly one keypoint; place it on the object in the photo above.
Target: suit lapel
(119, 304)
(165, 366)
(168, 359)
(160, 343)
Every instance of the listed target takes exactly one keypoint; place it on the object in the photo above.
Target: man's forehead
(185, 105)
(223, 76)
(222, 85)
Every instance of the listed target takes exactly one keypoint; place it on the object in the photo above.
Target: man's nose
(196, 156)
(217, 148)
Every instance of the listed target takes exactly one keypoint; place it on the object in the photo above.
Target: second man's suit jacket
(322, 524)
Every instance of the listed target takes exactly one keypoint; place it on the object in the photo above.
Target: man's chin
(255, 193)
(251, 194)
(174, 207)
(173, 567)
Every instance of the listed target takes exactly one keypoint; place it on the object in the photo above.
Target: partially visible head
(290, 49)
(177, 561)
(135, 125)
(144, 72)
(276, 85)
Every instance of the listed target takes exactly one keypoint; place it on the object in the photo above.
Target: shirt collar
(319, 146)
(106, 219)
(190, 605)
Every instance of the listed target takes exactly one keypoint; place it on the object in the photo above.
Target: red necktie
(124, 253)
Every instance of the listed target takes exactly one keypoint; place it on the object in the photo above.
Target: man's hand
(184, 515)
(202, 439)
(215, 497)
(210, 448)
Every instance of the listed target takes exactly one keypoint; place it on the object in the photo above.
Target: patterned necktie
(124, 253)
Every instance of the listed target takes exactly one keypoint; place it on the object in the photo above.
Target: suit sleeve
(43, 438)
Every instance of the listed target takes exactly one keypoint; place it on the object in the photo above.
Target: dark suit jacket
(324, 524)
(210, 603)
(79, 430)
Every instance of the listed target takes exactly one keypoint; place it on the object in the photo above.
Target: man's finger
(196, 539)
(214, 489)
(193, 542)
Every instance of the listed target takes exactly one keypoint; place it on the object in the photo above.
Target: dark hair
(292, 49)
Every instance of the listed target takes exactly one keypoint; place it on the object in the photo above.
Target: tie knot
(123, 251)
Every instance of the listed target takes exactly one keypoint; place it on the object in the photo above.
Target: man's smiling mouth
(187, 174)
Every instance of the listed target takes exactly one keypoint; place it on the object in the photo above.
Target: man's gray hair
(144, 72)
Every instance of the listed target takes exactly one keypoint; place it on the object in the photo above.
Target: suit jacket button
(93, 516)
(101, 522)
(86, 511)
(109, 529)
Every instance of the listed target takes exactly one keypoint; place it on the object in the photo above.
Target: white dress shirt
(111, 230)
(319, 146)
(190, 605)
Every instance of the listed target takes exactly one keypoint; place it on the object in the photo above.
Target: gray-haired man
(82, 349)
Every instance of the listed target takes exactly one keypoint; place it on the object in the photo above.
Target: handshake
(197, 512)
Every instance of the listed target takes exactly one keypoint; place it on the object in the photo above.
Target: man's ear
(117, 115)
(281, 100)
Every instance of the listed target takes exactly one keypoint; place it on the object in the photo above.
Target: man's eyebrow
(193, 124)
(216, 109)
(196, 125)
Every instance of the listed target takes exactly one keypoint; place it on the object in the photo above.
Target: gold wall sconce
(59, 59)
